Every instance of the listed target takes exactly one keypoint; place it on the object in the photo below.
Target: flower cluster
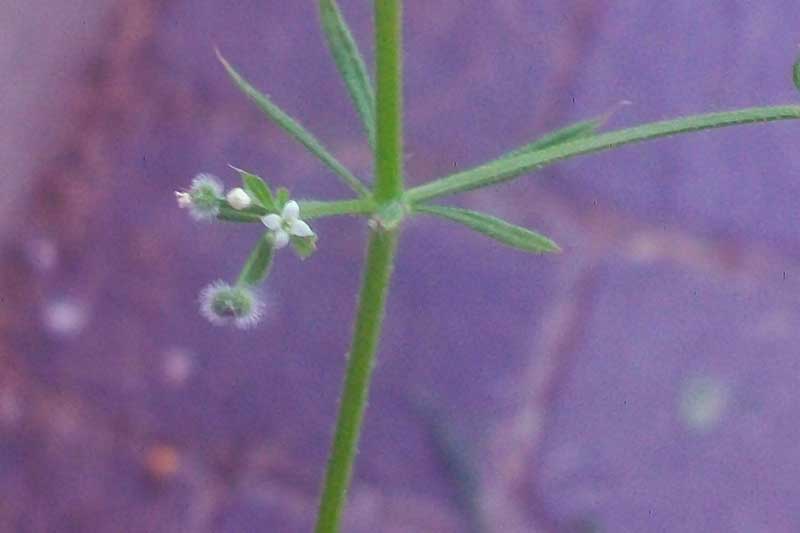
(225, 304)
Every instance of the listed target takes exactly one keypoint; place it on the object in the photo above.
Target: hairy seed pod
(224, 304)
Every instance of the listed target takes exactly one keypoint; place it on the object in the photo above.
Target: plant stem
(389, 100)
(377, 270)
(315, 209)
(377, 274)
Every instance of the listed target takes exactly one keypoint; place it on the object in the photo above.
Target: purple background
(643, 380)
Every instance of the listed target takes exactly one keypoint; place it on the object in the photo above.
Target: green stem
(389, 100)
(378, 268)
(377, 274)
(258, 264)
(314, 209)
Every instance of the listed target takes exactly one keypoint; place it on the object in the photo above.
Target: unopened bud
(238, 198)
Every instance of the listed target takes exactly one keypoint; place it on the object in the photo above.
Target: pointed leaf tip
(350, 64)
(499, 230)
(257, 189)
(293, 128)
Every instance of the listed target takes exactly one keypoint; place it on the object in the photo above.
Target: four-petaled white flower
(286, 224)
(238, 198)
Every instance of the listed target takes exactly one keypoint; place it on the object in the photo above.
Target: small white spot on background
(65, 317)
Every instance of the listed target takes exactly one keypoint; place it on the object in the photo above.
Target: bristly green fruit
(205, 192)
(223, 304)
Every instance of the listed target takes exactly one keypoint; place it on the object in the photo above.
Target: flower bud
(223, 304)
(238, 198)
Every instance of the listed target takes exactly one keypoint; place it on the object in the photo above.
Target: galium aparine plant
(386, 204)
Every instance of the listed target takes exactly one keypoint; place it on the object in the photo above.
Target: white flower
(238, 198)
(286, 224)
(184, 199)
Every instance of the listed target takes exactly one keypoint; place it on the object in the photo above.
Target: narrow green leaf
(350, 64)
(508, 169)
(500, 230)
(293, 128)
(573, 132)
(281, 197)
(257, 266)
(249, 215)
(796, 72)
(257, 189)
(304, 246)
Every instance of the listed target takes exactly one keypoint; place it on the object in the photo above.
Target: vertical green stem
(389, 100)
(378, 268)
(377, 274)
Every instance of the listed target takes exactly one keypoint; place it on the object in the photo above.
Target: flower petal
(300, 229)
(184, 199)
(272, 221)
(290, 211)
(280, 239)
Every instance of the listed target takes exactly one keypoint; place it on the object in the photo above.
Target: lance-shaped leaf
(257, 189)
(293, 128)
(796, 74)
(257, 266)
(573, 132)
(499, 230)
(507, 169)
(350, 64)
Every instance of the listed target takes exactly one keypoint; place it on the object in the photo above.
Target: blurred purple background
(644, 380)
